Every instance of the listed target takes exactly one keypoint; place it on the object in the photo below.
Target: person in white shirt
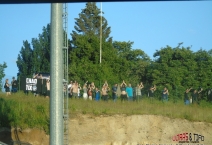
(69, 89)
(79, 88)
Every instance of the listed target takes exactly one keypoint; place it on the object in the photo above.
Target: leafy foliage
(2, 74)
(89, 23)
(41, 51)
(119, 61)
(180, 69)
(132, 62)
(35, 57)
(24, 62)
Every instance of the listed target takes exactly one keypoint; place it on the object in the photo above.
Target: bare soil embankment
(117, 130)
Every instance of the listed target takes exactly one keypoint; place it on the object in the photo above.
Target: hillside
(118, 130)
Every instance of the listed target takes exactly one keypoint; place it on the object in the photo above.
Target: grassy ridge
(191, 112)
(27, 111)
(23, 111)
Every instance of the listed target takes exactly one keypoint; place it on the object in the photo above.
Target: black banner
(33, 85)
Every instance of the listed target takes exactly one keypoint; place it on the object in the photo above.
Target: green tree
(25, 61)
(210, 52)
(85, 48)
(41, 51)
(35, 57)
(132, 63)
(85, 61)
(119, 61)
(2, 74)
(89, 23)
(179, 69)
(173, 68)
(204, 69)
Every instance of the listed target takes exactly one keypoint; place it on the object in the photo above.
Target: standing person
(79, 89)
(43, 81)
(165, 94)
(199, 95)
(118, 92)
(97, 94)
(47, 88)
(195, 94)
(36, 76)
(85, 95)
(104, 93)
(209, 93)
(129, 91)
(74, 89)
(141, 87)
(40, 84)
(123, 91)
(65, 88)
(93, 90)
(114, 92)
(69, 89)
(138, 92)
(186, 97)
(89, 93)
(14, 85)
(107, 88)
(151, 92)
(7, 87)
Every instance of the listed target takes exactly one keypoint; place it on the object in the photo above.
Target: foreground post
(56, 100)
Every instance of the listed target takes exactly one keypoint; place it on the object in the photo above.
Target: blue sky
(150, 25)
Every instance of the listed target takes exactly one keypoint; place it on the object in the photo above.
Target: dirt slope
(119, 130)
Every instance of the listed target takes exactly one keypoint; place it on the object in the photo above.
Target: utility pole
(100, 51)
(56, 87)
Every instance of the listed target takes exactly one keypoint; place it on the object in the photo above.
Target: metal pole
(100, 58)
(56, 100)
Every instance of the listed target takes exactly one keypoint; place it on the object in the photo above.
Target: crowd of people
(125, 92)
(192, 98)
(45, 83)
(91, 92)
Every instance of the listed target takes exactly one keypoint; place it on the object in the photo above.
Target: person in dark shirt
(7, 87)
(165, 94)
(195, 95)
(14, 85)
(151, 92)
(123, 91)
(114, 92)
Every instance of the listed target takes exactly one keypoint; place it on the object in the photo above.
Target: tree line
(176, 68)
